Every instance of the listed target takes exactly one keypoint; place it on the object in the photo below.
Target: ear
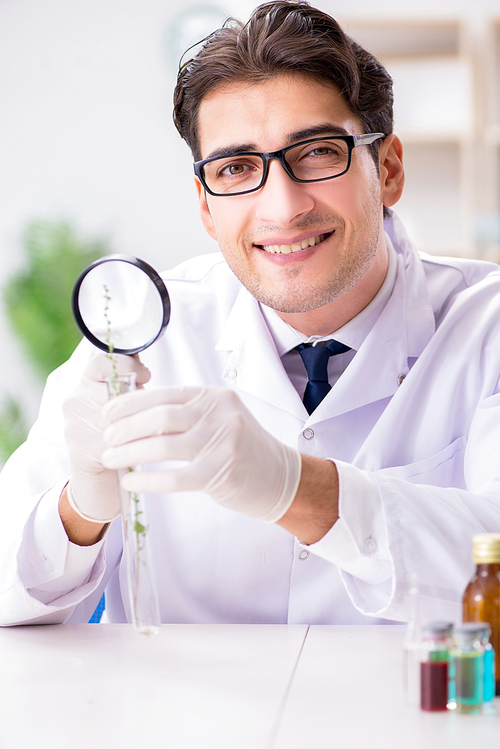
(205, 214)
(392, 173)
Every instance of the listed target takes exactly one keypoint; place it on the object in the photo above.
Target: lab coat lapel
(401, 332)
(253, 360)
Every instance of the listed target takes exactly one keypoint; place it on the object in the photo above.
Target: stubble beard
(353, 262)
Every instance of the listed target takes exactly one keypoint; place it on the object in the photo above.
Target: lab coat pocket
(445, 468)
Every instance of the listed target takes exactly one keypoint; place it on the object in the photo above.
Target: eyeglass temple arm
(366, 139)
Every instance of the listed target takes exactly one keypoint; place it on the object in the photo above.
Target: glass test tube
(412, 645)
(142, 590)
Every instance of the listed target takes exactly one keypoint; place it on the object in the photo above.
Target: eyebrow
(311, 132)
(326, 128)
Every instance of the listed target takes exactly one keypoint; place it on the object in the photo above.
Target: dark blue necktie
(315, 359)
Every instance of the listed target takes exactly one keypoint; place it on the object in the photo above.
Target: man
(277, 509)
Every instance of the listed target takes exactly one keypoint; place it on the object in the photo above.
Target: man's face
(338, 222)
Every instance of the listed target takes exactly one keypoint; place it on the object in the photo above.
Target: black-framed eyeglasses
(311, 160)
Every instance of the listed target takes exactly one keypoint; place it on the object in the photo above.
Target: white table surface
(347, 693)
(190, 686)
(217, 686)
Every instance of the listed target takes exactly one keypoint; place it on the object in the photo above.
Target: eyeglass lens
(321, 159)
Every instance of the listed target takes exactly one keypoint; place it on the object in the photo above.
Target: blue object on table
(96, 616)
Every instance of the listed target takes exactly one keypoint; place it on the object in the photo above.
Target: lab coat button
(47, 564)
(308, 434)
(370, 545)
(401, 378)
(231, 373)
(303, 555)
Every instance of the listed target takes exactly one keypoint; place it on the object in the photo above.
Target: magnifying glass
(121, 304)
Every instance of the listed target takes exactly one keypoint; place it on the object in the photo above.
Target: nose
(281, 200)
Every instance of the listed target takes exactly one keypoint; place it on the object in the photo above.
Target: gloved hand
(231, 456)
(93, 489)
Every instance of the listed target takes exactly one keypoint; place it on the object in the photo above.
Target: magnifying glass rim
(153, 275)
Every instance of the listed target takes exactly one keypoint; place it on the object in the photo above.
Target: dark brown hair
(284, 37)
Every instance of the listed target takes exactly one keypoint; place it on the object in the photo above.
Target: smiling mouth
(284, 249)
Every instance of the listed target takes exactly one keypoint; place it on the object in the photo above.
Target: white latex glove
(93, 489)
(231, 456)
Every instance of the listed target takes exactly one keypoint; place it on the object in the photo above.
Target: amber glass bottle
(481, 601)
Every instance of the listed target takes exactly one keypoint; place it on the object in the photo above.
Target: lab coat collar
(403, 329)
(419, 317)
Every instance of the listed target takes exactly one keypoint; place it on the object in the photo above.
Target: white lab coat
(413, 425)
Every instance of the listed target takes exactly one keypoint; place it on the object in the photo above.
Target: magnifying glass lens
(121, 304)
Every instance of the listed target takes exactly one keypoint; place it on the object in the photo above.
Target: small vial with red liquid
(434, 665)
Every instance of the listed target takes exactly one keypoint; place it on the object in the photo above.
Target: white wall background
(86, 131)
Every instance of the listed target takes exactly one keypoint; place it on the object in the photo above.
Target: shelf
(425, 137)
(433, 95)
(492, 135)
(447, 113)
(400, 39)
(490, 197)
(433, 75)
(494, 69)
(432, 206)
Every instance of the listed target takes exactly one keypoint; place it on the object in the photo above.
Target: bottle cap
(469, 632)
(439, 629)
(486, 548)
(485, 630)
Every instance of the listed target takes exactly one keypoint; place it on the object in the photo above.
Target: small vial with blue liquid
(489, 664)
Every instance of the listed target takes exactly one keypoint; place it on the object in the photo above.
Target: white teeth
(284, 249)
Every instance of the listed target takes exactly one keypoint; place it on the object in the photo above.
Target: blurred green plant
(38, 297)
(13, 426)
(37, 300)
